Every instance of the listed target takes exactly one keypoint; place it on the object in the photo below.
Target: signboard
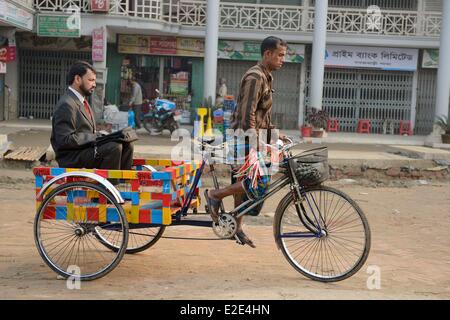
(7, 54)
(59, 26)
(430, 59)
(32, 41)
(98, 44)
(100, 5)
(163, 46)
(190, 47)
(15, 16)
(251, 50)
(372, 57)
(8, 46)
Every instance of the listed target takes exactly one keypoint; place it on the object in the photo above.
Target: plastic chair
(406, 128)
(332, 125)
(363, 126)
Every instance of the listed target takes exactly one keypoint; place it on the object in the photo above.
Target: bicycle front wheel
(329, 240)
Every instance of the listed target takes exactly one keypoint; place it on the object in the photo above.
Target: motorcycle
(160, 114)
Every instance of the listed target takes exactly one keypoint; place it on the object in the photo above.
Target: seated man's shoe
(242, 239)
(213, 206)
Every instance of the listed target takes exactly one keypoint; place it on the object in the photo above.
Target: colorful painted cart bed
(106, 213)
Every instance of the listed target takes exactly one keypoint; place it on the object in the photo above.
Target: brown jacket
(254, 104)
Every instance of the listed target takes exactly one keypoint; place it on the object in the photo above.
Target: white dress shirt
(79, 96)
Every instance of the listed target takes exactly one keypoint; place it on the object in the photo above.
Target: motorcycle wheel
(173, 126)
(149, 125)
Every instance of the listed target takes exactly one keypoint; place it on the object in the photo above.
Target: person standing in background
(136, 101)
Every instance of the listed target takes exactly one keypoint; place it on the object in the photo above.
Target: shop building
(352, 90)
(15, 17)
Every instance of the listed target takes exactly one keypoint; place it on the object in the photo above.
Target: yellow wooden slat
(102, 213)
(134, 214)
(70, 212)
(151, 162)
(144, 196)
(165, 163)
(129, 174)
(167, 216)
(114, 174)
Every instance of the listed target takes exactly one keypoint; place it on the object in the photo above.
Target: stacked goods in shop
(179, 83)
(229, 105)
(218, 120)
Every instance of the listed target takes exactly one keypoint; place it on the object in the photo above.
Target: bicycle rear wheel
(64, 230)
(334, 254)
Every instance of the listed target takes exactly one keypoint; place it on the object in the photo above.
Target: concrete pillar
(11, 83)
(414, 100)
(318, 53)
(301, 105)
(443, 83)
(211, 44)
(12, 95)
(100, 66)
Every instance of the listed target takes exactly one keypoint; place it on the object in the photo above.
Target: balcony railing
(257, 17)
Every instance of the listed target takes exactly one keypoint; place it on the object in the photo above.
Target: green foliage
(443, 123)
(317, 118)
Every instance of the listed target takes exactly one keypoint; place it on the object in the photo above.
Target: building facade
(161, 41)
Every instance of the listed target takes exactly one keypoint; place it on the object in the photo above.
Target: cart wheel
(141, 237)
(64, 230)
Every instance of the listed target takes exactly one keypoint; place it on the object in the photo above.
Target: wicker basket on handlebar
(311, 167)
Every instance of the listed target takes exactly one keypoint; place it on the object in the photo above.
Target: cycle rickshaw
(84, 220)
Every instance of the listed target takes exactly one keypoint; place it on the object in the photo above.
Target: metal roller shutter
(352, 94)
(426, 101)
(286, 85)
(42, 80)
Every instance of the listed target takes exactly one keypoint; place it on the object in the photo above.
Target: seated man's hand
(283, 138)
(103, 133)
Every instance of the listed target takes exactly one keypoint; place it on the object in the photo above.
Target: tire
(148, 124)
(75, 237)
(173, 126)
(353, 235)
(139, 239)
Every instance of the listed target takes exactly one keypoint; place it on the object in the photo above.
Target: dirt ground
(410, 246)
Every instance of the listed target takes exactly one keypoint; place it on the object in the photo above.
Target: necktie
(87, 108)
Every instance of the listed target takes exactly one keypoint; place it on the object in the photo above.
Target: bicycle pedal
(238, 241)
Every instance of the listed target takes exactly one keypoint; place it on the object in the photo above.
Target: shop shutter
(286, 86)
(42, 80)
(353, 94)
(426, 101)
(433, 5)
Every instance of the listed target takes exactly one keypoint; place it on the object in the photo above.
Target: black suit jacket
(72, 130)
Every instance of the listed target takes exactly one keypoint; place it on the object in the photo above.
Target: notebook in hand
(125, 135)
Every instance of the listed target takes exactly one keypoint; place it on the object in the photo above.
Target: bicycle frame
(288, 178)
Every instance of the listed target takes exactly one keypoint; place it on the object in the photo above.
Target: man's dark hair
(79, 68)
(271, 43)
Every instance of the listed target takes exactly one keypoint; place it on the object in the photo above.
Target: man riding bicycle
(253, 112)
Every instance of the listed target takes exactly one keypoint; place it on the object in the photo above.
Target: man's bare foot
(213, 205)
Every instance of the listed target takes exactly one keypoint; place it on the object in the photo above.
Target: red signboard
(7, 54)
(100, 5)
(163, 45)
(98, 44)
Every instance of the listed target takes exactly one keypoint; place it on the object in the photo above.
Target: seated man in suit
(73, 128)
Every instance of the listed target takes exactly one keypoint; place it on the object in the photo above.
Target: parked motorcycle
(161, 115)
